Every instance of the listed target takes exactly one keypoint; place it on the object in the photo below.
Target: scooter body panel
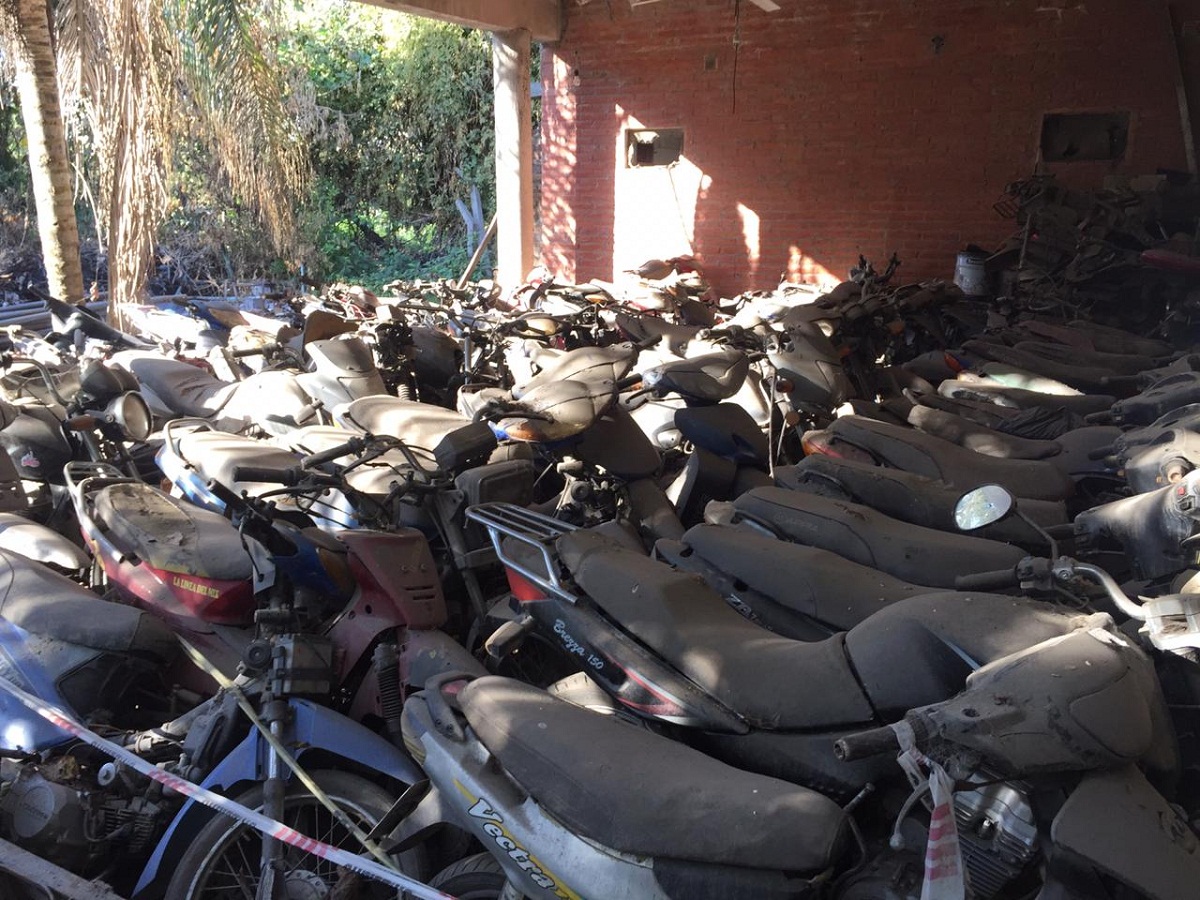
(313, 728)
(21, 729)
(480, 798)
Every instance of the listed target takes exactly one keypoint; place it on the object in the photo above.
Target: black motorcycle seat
(910, 498)
(586, 364)
(771, 682)
(979, 438)
(1080, 404)
(923, 454)
(171, 535)
(814, 582)
(640, 793)
(1080, 377)
(1114, 340)
(45, 603)
(420, 425)
(1117, 363)
(861, 534)
(710, 378)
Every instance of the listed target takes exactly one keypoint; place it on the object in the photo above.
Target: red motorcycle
(359, 600)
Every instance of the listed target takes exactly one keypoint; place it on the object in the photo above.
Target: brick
(849, 130)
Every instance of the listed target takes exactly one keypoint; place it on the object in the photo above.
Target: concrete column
(514, 156)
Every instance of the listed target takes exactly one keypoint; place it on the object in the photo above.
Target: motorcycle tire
(477, 877)
(225, 853)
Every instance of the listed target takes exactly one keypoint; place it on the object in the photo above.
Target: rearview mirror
(982, 506)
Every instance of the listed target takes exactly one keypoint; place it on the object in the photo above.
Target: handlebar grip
(866, 744)
(354, 445)
(629, 381)
(271, 347)
(987, 581)
(266, 474)
(1122, 382)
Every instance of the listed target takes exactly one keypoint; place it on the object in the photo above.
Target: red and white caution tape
(224, 805)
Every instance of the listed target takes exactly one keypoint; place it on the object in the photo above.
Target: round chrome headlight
(132, 414)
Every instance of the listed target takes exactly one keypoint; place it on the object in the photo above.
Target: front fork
(272, 885)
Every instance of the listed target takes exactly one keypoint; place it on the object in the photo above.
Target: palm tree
(134, 76)
(26, 45)
(142, 74)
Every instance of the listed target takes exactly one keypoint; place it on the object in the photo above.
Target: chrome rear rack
(533, 529)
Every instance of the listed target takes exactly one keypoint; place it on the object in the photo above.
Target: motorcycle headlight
(131, 414)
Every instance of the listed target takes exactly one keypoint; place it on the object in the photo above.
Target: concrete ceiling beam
(541, 18)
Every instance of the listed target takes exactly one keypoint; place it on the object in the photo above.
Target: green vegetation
(397, 113)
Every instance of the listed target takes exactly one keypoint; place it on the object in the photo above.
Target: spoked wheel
(224, 861)
(474, 878)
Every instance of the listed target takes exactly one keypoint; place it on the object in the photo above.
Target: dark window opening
(653, 146)
(1067, 137)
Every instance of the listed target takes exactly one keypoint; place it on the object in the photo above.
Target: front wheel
(477, 877)
(223, 862)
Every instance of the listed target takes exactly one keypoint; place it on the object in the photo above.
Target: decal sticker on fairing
(492, 824)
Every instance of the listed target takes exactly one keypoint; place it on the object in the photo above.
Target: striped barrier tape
(224, 805)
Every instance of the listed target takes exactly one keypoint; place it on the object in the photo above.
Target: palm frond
(236, 86)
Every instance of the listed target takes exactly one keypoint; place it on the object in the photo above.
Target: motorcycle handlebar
(271, 347)
(866, 744)
(289, 477)
(266, 474)
(987, 581)
(354, 445)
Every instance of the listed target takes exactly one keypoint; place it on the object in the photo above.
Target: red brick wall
(851, 126)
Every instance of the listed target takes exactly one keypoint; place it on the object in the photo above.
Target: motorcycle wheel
(222, 863)
(477, 877)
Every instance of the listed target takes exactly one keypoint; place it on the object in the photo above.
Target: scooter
(666, 647)
(1021, 804)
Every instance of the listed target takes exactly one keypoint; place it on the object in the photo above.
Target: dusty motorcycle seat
(171, 535)
(1082, 377)
(808, 580)
(711, 377)
(1117, 363)
(637, 792)
(600, 365)
(215, 454)
(557, 410)
(933, 457)
(1017, 398)
(644, 329)
(45, 603)
(859, 533)
(910, 498)
(979, 438)
(187, 390)
(687, 623)
(420, 425)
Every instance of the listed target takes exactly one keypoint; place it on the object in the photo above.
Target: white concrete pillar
(514, 156)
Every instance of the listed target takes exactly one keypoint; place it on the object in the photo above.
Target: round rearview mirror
(132, 415)
(982, 506)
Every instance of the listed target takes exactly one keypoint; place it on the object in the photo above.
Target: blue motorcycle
(107, 665)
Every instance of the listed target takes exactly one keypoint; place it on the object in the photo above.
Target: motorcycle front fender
(314, 729)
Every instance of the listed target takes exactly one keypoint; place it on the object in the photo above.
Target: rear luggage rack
(534, 530)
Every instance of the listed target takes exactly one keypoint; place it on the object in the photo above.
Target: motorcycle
(104, 664)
